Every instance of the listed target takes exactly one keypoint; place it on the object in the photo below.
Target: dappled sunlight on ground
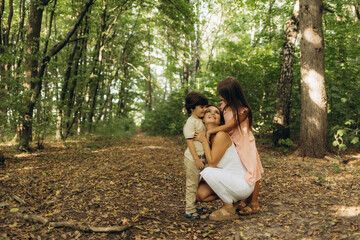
(344, 211)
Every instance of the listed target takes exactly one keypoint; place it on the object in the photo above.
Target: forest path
(141, 182)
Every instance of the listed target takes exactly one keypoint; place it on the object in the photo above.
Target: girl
(238, 123)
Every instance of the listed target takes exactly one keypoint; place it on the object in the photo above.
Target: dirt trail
(141, 182)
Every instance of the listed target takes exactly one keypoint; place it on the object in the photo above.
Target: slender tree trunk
(185, 81)
(149, 97)
(357, 11)
(96, 72)
(64, 90)
(283, 99)
(313, 125)
(2, 73)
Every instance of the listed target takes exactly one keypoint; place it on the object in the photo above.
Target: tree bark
(313, 125)
(33, 74)
(31, 63)
(283, 98)
(64, 90)
(357, 11)
(149, 97)
(96, 70)
(185, 82)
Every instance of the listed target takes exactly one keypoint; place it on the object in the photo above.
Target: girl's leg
(253, 201)
(204, 193)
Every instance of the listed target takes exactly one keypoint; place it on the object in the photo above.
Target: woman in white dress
(225, 176)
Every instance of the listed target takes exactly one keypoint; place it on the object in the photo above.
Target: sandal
(240, 205)
(219, 215)
(195, 216)
(249, 210)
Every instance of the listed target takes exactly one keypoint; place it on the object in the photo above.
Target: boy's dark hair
(194, 99)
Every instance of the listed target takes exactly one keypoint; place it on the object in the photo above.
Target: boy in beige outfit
(194, 161)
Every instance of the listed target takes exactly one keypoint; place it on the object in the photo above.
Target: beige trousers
(192, 182)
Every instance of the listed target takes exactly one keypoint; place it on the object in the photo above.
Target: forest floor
(139, 184)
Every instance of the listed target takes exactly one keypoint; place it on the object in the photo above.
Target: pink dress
(245, 146)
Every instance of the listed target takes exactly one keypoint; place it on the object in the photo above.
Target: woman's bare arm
(221, 143)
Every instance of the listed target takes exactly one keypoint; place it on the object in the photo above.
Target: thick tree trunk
(31, 63)
(313, 126)
(283, 99)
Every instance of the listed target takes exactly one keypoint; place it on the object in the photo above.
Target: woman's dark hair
(194, 99)
(222, 120)
(231, 91)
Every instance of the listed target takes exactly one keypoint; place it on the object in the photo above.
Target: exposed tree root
(73, 225)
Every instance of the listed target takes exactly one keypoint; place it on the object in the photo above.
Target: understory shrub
(167, 118)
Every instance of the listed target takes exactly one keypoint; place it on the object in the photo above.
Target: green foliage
(345, 136)
(286, 142)
(117, 128)
(168, 117)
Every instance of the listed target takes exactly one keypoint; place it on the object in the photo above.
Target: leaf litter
(140, 182)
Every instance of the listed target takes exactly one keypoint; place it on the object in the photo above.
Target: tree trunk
(283, 98)
(313, 125)
(96, 71)
(185, 77)
(64, 90)
(31, 63)
(149, 97)
(357, 9)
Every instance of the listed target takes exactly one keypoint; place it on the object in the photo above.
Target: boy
(195, 104)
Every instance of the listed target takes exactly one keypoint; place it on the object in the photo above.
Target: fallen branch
(74, 225)
(18, 199)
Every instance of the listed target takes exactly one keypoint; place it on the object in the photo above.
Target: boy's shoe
(202, 210)
(195, 216)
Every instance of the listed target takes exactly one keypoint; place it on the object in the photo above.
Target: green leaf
(341, 132)
(355, 140)
(342, 147)
(14, 210)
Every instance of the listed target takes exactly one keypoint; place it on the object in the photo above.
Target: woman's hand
(208, 134)
(200, 137)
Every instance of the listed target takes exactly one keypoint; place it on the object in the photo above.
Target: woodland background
(75, 68)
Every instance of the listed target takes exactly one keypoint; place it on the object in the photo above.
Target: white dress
(227, 179)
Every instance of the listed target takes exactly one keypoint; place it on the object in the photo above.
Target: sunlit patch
(314, 86)
(312, 36)
(26, 168)
(344, 211)
(26, 155)
(153, 147)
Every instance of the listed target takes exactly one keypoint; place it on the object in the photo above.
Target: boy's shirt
(191, 126)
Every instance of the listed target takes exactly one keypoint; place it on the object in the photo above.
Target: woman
(225, 176)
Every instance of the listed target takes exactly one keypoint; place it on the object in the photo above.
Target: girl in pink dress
(238, 123)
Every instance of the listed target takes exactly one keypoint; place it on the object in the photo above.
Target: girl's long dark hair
(231, 91)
